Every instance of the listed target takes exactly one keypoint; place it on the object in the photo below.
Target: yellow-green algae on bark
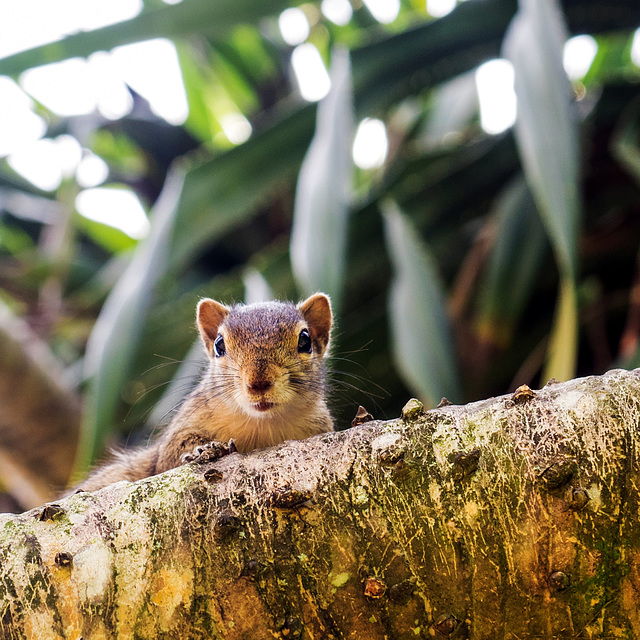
(515, 517)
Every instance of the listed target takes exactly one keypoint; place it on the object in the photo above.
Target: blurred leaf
(547, 135)
(186, 377)
(200, 122)
(118, 151)
(424, 56)
(563, 341)
(114, 340)
(253, 57)
(323, 194)
(214, 19)
(220, 194)
(625, 143)
(422, 344)
(112, 239)
(15, 241)
(454, 104)
(518, 253)
(612, 59)
(256, 288)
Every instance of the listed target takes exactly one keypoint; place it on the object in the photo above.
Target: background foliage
(469, 263)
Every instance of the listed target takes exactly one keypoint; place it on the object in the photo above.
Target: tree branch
(512, 517)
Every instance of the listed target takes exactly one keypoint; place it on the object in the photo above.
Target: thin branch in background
(465, 284)
(630, 336)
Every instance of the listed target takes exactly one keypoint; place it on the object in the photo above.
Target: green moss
(341, 579)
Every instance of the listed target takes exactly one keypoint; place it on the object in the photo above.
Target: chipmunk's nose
(260, 385)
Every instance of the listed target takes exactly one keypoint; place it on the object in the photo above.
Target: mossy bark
(515, 517)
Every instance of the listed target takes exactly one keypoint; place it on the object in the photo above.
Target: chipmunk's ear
(209, 317)
(316, 310)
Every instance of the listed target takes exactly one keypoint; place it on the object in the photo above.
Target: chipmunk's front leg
(188, 447)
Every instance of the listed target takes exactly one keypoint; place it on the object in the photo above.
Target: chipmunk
(265, 383)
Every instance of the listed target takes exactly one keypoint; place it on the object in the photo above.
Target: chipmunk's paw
(210, 452)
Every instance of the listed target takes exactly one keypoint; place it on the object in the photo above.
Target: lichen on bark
(514, 517)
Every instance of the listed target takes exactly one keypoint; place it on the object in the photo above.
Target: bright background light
(91, 171)
(338, 11)
(294, 26)
(236, 127)
(116, 207)
(311, 74)
(152, 69)
(578, 56)
(67, 88)
(19, 125)
(112, 95)
(40, 163)
(440, 8)
(384, 11)
(496, 94)
(370, 145)
(635, 48)
(29, 23)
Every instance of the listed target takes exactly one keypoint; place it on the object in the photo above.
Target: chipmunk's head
(266, 357)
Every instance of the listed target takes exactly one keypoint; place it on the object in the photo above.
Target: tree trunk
(515, 517)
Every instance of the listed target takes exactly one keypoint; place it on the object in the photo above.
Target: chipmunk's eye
(304, 342)
(218, 346)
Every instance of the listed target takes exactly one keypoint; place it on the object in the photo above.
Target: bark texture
(515, 517)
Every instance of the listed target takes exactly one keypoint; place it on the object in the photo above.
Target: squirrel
(265, 383)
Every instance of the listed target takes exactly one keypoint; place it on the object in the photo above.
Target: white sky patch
(497, 96)
(78, 86)
(635, 48)
(46, 162)
(578, 56)
(338, 11)
(371, 144)
(92, 170)
(19, 125)
(311, 74)
(152, 69)
(67, 88)
(236, 127)
(112, 94)
(29, 23)
(39, 163)
(116, 207)
(69, 154)
(440, 8)
(384, 11)
(294, 26)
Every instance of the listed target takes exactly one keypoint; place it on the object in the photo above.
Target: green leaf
(323, 194)
(547, 135)
(422, 344)
(517, 256)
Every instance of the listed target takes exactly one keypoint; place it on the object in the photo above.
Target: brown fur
(261, 367)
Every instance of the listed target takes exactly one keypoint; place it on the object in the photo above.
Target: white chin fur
(254, 412)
